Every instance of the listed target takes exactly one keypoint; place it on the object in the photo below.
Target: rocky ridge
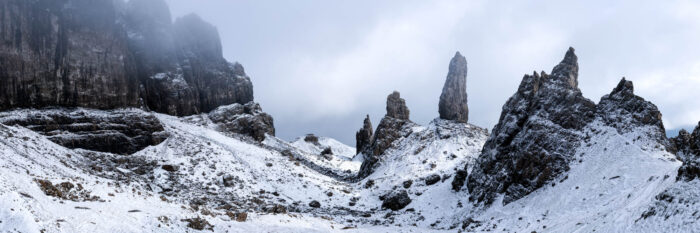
(393, 126)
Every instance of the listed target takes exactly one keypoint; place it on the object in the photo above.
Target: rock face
(363, 137)
(453, 100)
(248, 119)
(393, 126)
(115, 131)
(535, 137)
(107, 54)
(543, 124)
(688, 151)
(68, 53)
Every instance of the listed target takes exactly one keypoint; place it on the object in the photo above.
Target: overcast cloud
(319, 66)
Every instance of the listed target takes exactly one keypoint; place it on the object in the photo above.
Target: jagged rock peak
(453, 100)
(567, 69)
(688, 151)
(625, 87)
(625, 111)
(539, 129)
(363, 137)
(396, 106)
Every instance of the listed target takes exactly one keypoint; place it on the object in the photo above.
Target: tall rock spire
(453, 100)
(363, 137)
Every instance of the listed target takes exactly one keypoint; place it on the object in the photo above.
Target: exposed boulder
(315, 204)
(688, 151)
(453, 100)
(432, 179)
(396, 200)
(311, 138)
(116, 131)
(536, 135)
(392, 127)
(363, 137)
(248, 119)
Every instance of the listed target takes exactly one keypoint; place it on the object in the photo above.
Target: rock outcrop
(363, 137)
(393, 126)
(535, 137)
(543, 124)
(625, 111)
(247, 119)
(453, 100)
(688, 151)
(116, 131)
(108, 54)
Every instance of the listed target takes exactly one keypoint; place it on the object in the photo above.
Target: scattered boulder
(453, 100)
(169, 168)
(65, 191)
(311, 138)
(314, 204)
(198, 224)
(247, 119)
(396, 200)
(327, 151)
(407, 183)
(432, 179)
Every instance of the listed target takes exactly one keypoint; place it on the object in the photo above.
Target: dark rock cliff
(453, 100)
(107, 54)
(64, 52)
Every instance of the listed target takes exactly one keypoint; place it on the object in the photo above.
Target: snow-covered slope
(610, 186)
(196, 173)
(200, 173)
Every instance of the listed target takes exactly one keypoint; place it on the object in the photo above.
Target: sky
(320, 66)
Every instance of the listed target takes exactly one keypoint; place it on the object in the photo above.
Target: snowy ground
(619, 178)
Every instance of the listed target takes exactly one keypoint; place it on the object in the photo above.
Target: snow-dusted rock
(393, 126)
(123, 131)
(534, 140)
(247, 119)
